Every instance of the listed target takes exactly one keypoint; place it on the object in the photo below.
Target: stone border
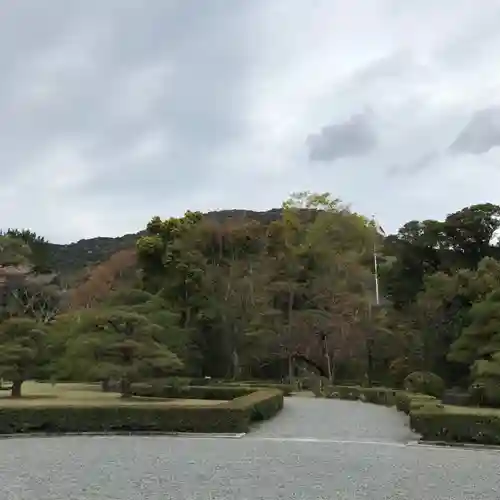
(451, 444)
(118, 433)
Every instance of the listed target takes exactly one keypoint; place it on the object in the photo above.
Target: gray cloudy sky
(116, 110)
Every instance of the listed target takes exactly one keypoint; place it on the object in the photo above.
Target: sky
(115, 111)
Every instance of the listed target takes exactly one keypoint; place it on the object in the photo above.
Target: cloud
(354, 137)
(481, 134)
(414, 166)
(112, 113)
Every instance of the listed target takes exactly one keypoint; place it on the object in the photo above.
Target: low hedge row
(140, 415)
(286, 389)
(186, 382)
(429, 417)
(453, 424)
(409, 401)
(159, 390)
(259, 405)
(376, 395)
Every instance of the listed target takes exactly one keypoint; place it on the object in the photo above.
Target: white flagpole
(375, 263)
(375, 268)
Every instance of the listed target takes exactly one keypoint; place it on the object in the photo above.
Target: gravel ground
(316, 449)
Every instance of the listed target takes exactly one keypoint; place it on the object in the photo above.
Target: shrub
(142, 417)
(425, 383)
(379, 396)
(342, 392)
(260, 405)
(376, 395)
(457, 398)
(287, 389)
(158, 390)
(485, 392)
(457, 424)
(407, 401)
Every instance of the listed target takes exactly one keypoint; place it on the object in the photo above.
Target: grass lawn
(68, 394)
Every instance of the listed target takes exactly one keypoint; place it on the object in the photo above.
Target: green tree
(120, 345)
(158, 311)
(22, 345)
(38, 245)
(421, 248)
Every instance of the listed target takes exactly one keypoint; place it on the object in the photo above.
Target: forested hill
(74, 257)
(250, 293)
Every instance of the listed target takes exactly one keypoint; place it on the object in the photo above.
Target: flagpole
(375, 268)
(375, 262)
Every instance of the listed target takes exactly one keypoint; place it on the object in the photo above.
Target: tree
(13, 252)
(38, 245)
(23, 291)
(22, 344)
(177, 339)
(115, 344)
(421, 248)
(102, 279)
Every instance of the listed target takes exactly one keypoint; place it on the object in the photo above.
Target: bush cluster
(425, 383)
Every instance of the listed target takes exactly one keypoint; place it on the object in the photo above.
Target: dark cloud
(414, 167)
(109, 79)
(354, 137)
(481, 134)
(113, 111)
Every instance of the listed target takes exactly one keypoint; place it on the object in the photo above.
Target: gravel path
(316, 449)
(334, 419)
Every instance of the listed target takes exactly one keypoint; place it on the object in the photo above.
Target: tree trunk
(236, 364)
(16, 388)
(291, 378)
(328, 359)
(126, 389)
(369, 361)
(105, 385)
(291, 298)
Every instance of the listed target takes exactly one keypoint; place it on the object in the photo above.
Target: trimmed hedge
(408, 401)
(259, 405)
(287, 389)
(256, 402)
(142, 417)
(222, 393)
(454, 424)
(376, 395)
(429, 417)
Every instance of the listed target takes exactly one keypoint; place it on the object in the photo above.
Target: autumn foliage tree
(255, 292)
(102, 280)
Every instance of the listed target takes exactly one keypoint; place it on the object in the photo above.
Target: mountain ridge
(76, 256)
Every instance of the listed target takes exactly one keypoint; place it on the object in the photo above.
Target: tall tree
(22, 344)
(114, 344)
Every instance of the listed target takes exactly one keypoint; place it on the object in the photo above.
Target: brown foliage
(102, 279)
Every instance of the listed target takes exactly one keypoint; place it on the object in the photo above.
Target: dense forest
(275, 295)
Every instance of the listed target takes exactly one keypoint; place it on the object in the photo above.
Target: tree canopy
(275, 295)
